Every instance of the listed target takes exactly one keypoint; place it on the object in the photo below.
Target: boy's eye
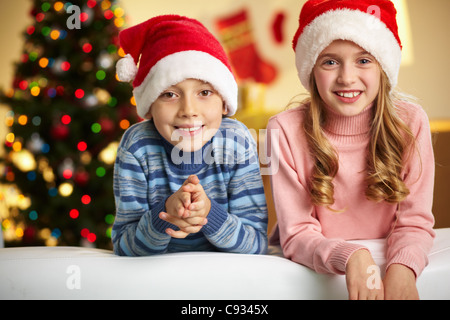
(167, 95)
(205, 93)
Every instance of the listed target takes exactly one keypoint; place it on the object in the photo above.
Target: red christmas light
(84, 232)
(109, 14)
(84, 16)
(66, 119)
(30, 30)
(82, 146)
(67, 174)
(23, 85)
(40, 16)
(91, 237)
(79, 93)
(65, 66)
(87, 47)
(74, 213)
(91, 3)
(86, 199)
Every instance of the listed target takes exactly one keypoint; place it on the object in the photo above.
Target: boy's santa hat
(371, 24)
(170, 49)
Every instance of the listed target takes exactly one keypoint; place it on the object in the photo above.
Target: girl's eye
(364, 61)
(329, 63)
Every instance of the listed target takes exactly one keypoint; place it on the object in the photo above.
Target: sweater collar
(359, 124)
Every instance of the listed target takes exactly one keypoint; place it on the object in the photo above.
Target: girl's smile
(348, 96)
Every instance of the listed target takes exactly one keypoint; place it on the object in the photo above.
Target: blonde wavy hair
(390, 145)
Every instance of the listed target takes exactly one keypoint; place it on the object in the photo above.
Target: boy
(187, 179)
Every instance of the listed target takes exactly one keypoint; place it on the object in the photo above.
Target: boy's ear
(224, 109)
(148, 115)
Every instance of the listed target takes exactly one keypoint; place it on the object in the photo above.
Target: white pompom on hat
(168, 50)
(126, 68)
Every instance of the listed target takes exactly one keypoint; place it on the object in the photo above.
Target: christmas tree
(67, 113)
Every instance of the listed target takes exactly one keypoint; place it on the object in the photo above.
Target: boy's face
(188, 114)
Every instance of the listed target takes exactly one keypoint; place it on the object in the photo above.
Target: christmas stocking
(236, 36)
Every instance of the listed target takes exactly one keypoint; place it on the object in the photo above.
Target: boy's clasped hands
(187, 209)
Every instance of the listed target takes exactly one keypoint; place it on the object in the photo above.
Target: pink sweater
(315, 236)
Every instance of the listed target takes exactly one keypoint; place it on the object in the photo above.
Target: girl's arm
(412, 236)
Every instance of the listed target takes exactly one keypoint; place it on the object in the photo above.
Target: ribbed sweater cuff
(406, 258)
(216, 218)
(341, 253)
(158, 224)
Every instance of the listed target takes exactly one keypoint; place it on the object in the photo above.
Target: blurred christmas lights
(31, 152)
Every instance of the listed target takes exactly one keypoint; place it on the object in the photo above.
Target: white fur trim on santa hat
(183, 65)
(364, 29)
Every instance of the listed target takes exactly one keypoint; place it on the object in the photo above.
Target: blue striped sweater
(149, 169)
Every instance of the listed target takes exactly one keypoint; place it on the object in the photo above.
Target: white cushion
(85, 273)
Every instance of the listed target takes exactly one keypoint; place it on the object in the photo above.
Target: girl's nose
(347, 75)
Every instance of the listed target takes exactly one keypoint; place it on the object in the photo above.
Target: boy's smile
(188, 114)
(189, 130)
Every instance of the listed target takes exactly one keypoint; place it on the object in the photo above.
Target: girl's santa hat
(371, 24)
(170, 49)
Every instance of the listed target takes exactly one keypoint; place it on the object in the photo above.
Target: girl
(355, 161)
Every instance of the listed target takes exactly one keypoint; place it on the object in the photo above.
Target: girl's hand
(400, 283)
(361, 284)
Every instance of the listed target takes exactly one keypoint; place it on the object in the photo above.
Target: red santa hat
(170, 49)
(371, 24)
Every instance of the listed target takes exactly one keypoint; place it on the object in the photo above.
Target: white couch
(84, 273)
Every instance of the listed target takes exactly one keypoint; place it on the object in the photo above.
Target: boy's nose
(188, 108)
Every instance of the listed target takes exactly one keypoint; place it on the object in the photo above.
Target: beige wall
(427, 78)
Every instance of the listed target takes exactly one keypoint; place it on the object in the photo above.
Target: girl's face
(188, 114)
(347, 77)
